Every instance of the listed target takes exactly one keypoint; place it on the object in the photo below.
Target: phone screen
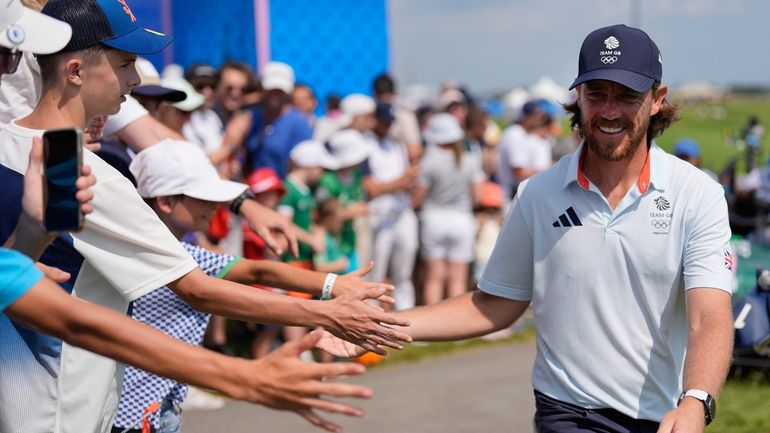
(62, 169)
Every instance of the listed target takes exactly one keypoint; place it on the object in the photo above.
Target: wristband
(326, 292)
(235, 205)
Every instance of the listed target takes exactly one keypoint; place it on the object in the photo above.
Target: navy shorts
(554, 416)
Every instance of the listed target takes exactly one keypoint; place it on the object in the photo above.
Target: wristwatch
(709, 404)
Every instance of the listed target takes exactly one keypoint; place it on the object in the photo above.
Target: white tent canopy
(547, 88)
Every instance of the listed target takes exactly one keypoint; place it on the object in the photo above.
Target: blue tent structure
(334, 45)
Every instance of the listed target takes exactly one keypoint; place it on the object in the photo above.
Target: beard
(620, 148)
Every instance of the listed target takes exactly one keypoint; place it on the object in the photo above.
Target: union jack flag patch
(728, 260)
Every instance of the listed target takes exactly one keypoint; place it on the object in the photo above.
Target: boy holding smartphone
(124, 251)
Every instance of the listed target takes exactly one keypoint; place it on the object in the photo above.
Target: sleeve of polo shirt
(707, 260)
(17, 275)
(509, 271)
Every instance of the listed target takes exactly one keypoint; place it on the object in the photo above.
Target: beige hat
(277, 75)
(194, 99)
(357, 104)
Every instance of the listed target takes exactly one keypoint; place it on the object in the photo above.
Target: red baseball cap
(265, 179)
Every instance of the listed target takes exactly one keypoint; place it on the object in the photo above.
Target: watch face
(711, 409)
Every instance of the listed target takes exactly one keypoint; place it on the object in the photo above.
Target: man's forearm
(709, 349)
(466, 316)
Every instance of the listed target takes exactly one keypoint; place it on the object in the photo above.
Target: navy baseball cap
(622, 54)
(384, 112)
(108, 22)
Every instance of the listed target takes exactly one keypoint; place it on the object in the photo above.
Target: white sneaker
(197, 399)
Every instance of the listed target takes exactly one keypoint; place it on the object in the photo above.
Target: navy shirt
(270, 145)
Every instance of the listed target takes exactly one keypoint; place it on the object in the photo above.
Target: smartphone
(63, 158)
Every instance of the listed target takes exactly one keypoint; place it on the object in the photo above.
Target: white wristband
(326, 292)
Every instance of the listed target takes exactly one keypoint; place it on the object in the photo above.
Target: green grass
(700, 122)
(743, 407)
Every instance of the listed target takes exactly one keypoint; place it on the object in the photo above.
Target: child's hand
(354, 280)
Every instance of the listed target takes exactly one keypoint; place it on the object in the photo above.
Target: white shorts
(447, 234)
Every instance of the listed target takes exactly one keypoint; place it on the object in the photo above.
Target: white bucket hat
(349, 147)
(443, 128)
(310, 153)
(174, 167)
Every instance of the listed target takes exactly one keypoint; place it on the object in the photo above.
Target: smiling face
(614, 119)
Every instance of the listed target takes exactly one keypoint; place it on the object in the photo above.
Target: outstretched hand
(266, 222)
(354, 319)
(338, 347)
(354, 280)
(282, 381)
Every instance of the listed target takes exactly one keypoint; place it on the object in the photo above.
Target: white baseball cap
(357, 104)
(443, 128)
(24, 29)
(277, 75)
(349, 147)
(310, 153)
(173, 167)
(194, 99)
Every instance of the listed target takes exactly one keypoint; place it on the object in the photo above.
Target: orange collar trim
(643, 182)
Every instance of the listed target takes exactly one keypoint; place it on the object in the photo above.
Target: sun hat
(24, 29)
(310, 153)
(443, 128)
(349, 147)
(194, 99)
(173, 167)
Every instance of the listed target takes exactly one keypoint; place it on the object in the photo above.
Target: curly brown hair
(664, 118)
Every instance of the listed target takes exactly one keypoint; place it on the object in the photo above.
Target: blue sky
(497, 44)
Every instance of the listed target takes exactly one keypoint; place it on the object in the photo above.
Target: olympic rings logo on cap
(608, 60)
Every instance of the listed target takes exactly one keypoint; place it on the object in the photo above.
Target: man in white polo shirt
(622, 251)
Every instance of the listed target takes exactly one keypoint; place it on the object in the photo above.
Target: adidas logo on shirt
(568, 219)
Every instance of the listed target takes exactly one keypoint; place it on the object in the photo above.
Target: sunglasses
(201, 86)
(9, 59)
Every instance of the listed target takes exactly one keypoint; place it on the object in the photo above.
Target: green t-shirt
(332, 253)
(347, 191)
(302, 202)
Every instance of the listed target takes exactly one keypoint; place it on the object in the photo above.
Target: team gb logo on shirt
(660, 215)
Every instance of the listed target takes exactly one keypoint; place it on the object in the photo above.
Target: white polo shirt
(607, 287)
